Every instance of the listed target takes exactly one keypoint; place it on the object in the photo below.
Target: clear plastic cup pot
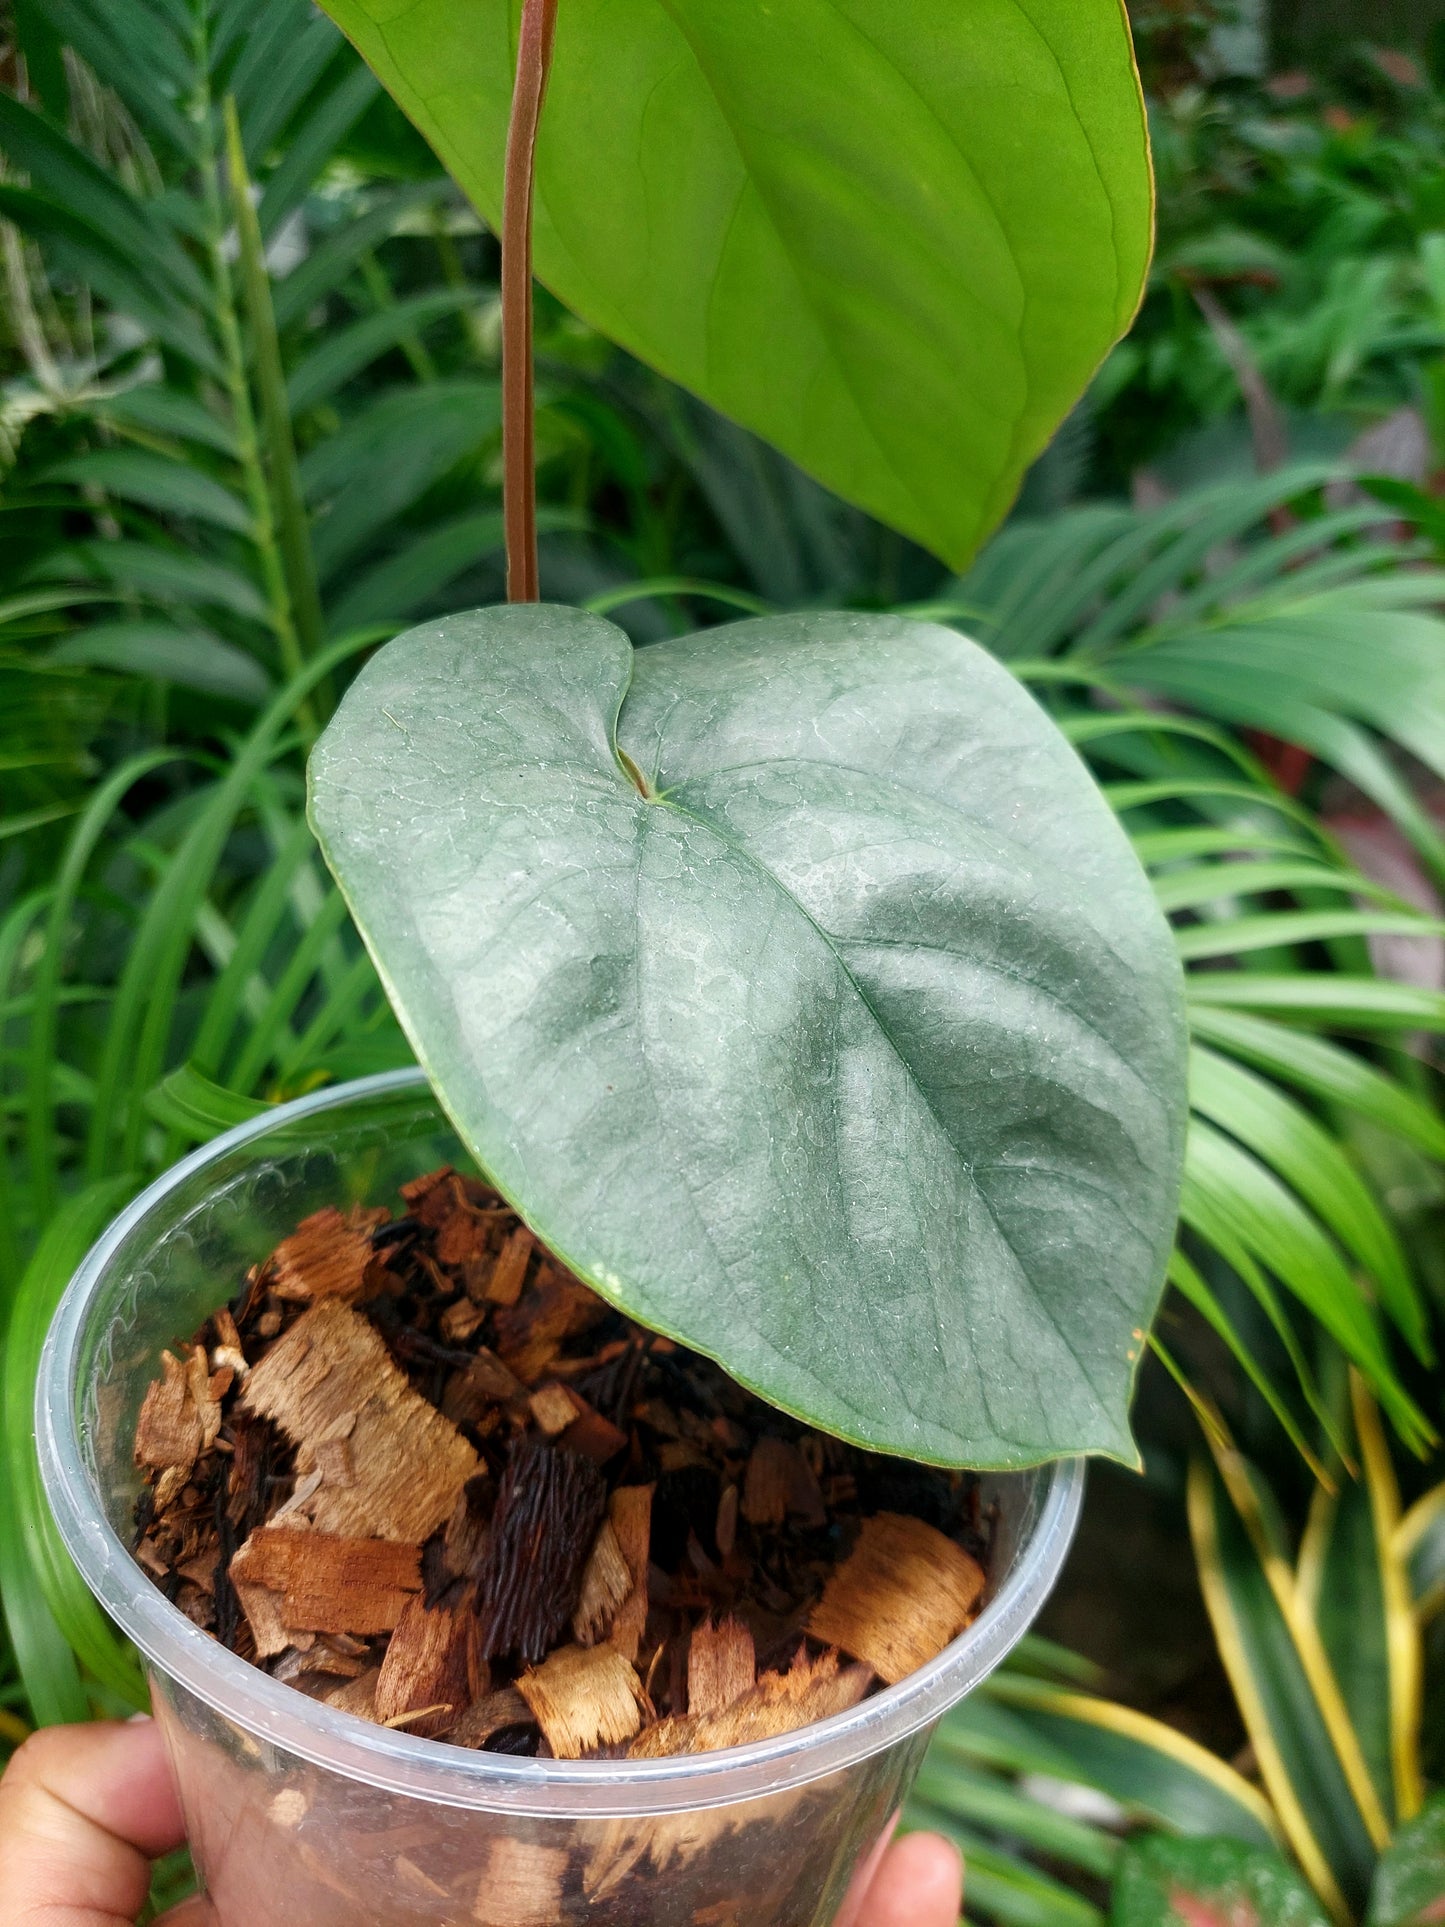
(304, 1816)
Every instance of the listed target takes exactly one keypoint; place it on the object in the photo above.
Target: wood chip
(328, 1583)
(521, 1885)
(555, 1307)
(331, 1376)
(585, 1697)
(725, 1531)
(431, 1662)
(606, 1582)
(326, 1256)
(509, 1273)
(549, 1506)
(357, 1695)
(227, 1353)
(779, 1703)
(205, 1393)
(594, 1436)
(775, 1480)
(553, 1408)
(899, 1597)
(630, 1512)
(460, 1320)
(721, 1666)
(491, 1714)
(168, 1432)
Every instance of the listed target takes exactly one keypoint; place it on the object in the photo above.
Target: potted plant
(791, 982)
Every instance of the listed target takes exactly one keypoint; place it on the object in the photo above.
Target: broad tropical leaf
(895, 240)
(795, 984)
(1409, 1884)
(1186, 1883)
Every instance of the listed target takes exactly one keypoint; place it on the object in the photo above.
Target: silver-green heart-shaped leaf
(894, 237)
(798, 987)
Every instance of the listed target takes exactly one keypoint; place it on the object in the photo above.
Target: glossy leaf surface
(894, 239)
(844, 1045)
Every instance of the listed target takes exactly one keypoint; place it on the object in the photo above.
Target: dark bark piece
(475, 1391)
(899, 1597)
(331, 1377)
(549, 1506)
(493, 1713)
(584, 1697)
(594, 1436)
(555, 1307)
(431, 1661)
(326, 1256)
(768, 1484)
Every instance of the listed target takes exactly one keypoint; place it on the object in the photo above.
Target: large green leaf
(894, 239)
(1409, 1884)
(1209, 1883)
(845, 1043)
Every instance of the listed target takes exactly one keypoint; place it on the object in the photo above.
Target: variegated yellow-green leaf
(894, 237)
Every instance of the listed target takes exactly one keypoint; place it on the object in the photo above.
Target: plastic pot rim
(276, 1713)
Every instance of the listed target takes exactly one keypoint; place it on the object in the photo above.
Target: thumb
(83, 1811)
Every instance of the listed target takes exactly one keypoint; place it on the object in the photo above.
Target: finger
(196, 1912)
(849, 1915)
(83, 1810)
(918, 1884)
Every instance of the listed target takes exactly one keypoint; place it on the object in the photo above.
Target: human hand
(83, 1812)
(915, 1882)
(85, 1809)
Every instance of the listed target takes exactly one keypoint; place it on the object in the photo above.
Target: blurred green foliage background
(249, 427)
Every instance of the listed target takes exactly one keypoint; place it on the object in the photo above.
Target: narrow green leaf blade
(1149, 1768)
(1296, 1735)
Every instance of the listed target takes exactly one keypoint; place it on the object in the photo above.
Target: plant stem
(293, 528)
(519, 448)
(263, 532)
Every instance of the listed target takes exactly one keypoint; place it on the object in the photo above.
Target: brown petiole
(519, 483)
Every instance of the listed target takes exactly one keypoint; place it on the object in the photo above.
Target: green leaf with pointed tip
(845, 1044)
(1209, 1883)
(893, 237)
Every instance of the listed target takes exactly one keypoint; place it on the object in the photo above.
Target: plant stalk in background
(519, 407)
